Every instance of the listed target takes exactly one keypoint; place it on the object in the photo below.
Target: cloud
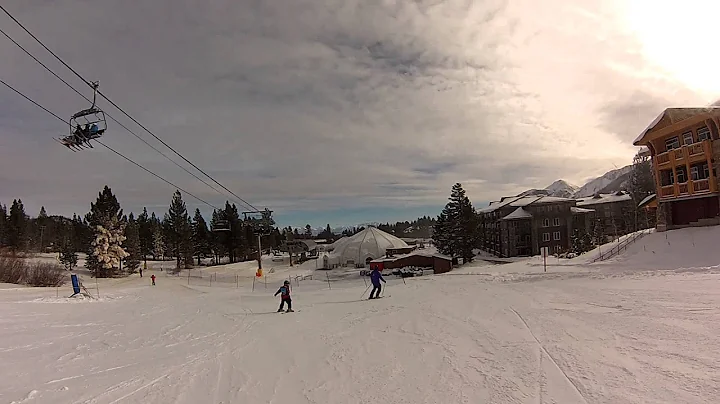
(324, 105)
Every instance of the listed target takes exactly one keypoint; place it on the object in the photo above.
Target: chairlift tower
(260, 220)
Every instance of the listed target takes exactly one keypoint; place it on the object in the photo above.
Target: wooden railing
(696, 148)
(621, 246)
(680, 154)
(686, 188)
(701, 185)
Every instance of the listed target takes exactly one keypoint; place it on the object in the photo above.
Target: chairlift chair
(86, 125)
(220, 225)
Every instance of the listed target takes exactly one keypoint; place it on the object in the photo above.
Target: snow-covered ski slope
(601, 333)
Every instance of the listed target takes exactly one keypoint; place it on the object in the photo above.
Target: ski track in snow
(563, 337)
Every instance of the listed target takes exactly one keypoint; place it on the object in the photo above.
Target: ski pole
(366, 289)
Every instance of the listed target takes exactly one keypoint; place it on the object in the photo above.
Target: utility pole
(259, 252)
(42, 233)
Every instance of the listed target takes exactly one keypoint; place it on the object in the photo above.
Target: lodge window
(667, 178)
(546, 236)
(699, 172)
(672, 143)
(546, 222)
(681, 175)
(688, 138)
(703, 134)
(557, 248)
(556, 235)
(556, 221)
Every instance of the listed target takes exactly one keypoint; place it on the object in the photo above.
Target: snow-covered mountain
(559, 188)
(612, 181)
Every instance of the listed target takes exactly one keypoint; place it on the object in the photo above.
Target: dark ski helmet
(286, 283)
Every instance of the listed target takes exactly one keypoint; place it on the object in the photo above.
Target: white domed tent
(369, 244)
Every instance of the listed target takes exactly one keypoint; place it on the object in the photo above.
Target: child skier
(153, 279)
(375, 278)
(284, 292)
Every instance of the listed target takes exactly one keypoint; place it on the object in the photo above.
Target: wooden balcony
(693, 153)
(699, 187)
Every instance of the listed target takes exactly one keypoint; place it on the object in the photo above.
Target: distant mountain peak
(611, 181)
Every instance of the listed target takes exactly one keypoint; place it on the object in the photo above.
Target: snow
(561, 188)
(640, 327)
(594, 186)
(518, 213)
(603, 198)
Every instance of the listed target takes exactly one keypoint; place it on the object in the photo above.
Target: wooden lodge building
(685, 147)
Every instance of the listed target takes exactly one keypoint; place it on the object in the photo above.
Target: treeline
(117, 244)
(418, 228)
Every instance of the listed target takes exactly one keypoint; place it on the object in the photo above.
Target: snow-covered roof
(603, 198)
(497, 205)
(575, 209)
(413, 254)
(647, 200)
(553, 199)
(370, 243)
(518, 213)
(525, 200)
(522, 201)
(673, 115)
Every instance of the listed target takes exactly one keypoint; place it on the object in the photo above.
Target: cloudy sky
(343, 111)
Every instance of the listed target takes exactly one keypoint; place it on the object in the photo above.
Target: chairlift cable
(122, 110)
(110, 116)
(106, 146)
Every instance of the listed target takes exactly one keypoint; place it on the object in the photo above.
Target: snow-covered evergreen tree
(158, 250)
(105, 220)
(132, 246)
(456, 230)
(107, 248)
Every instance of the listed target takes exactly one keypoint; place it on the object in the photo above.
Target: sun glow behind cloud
(680, 37)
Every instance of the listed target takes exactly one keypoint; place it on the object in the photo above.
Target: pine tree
(107, 248)
(105, 221)
(17, 227)
(642, 184)
(235, 238)
(456, 230)
(177, 228)
(158, 249)
(132, 245)
(200, 237)
(68, 256)
(156, 228)
(3, 225)
(145, 234)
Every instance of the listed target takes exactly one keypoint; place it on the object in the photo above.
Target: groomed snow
(616, 332)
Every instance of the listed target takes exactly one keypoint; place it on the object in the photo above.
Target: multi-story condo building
(613, 213)
(685, 148)
(522, 225)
